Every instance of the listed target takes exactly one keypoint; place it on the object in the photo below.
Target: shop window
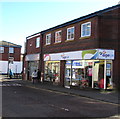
(33, 65)
(78, 73)
(86, 29)
(58, 36)
(1, 49)
(37, 42)
(48, 39)
(70, 33)
(52, 71)
(11, 50)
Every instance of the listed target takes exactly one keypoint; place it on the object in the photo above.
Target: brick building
(83, 52)
(10, 57)
(32, 55)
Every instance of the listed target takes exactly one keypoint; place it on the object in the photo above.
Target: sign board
(77, 55)
(32, 57)
(106, 54)
(11, 59)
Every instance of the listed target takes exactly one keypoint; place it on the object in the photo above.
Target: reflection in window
(58, 36)
(37, 42)
(86, 29)
(1, 49)
(11, 50)
(48, 39)
(70, 33)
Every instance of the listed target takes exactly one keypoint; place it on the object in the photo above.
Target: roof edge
(97, 13)
(14, 45)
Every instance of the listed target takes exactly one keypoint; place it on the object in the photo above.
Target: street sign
(11, 59)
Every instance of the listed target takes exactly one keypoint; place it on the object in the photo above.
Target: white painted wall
(16, 67)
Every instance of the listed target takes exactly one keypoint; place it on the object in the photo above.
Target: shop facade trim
(32, 57)
(84, 54)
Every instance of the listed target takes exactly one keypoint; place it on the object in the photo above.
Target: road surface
(21, 101)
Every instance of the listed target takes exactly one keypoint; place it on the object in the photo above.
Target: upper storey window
(86, 29)
(37, 42)
(11, 50)
(1, 49)
(70, 33)
(58, 36)
(48, 39)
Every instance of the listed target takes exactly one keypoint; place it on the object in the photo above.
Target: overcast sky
(21, 18)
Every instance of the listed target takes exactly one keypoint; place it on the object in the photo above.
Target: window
(48, 39)
(86, 29)
(11, 50)
(70, 33)
(58, 36)
(1, 49)
(37, 42)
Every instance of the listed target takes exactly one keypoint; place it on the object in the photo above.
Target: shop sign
(106, 54)
(32, 57)
(77, 55)
(75, 63)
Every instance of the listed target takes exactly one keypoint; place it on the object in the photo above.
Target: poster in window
(89, 71)
(108, 66)
(108, 72)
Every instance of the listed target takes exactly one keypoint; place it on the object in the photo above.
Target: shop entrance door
(33, 65)
(102, 74)
(68, 74)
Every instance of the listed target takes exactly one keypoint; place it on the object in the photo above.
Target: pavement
(111, 96)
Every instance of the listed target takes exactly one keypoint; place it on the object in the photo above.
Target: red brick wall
(16, 54)
(116, 70)
(31, 46)
(77, 44)
(31, 49)
(108, 32)
(109, 38)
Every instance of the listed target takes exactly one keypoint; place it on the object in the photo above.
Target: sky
(22, 18)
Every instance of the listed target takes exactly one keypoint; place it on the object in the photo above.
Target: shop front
(52, 71)
(32, 64)
(89, 73)
(88, 68)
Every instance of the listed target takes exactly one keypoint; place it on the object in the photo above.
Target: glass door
(109, 84)
(102, 74)
(67, 81)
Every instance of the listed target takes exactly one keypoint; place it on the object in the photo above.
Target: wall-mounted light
(30, 44)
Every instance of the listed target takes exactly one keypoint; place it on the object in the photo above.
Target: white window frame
(70, 33)
(11, 50)
(58, 36)
(48, 39)
(37, 42)
(1, 49)
(87, 30)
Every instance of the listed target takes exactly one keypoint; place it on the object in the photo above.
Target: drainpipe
(105, 75)
(92, 75)
(71, 72)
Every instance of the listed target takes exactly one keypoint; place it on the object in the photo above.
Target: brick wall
(31, 46)
(16, 54)
(77, 44)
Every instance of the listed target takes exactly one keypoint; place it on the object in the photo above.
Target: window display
(78, 73)
(52, 71)
(88, 73)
